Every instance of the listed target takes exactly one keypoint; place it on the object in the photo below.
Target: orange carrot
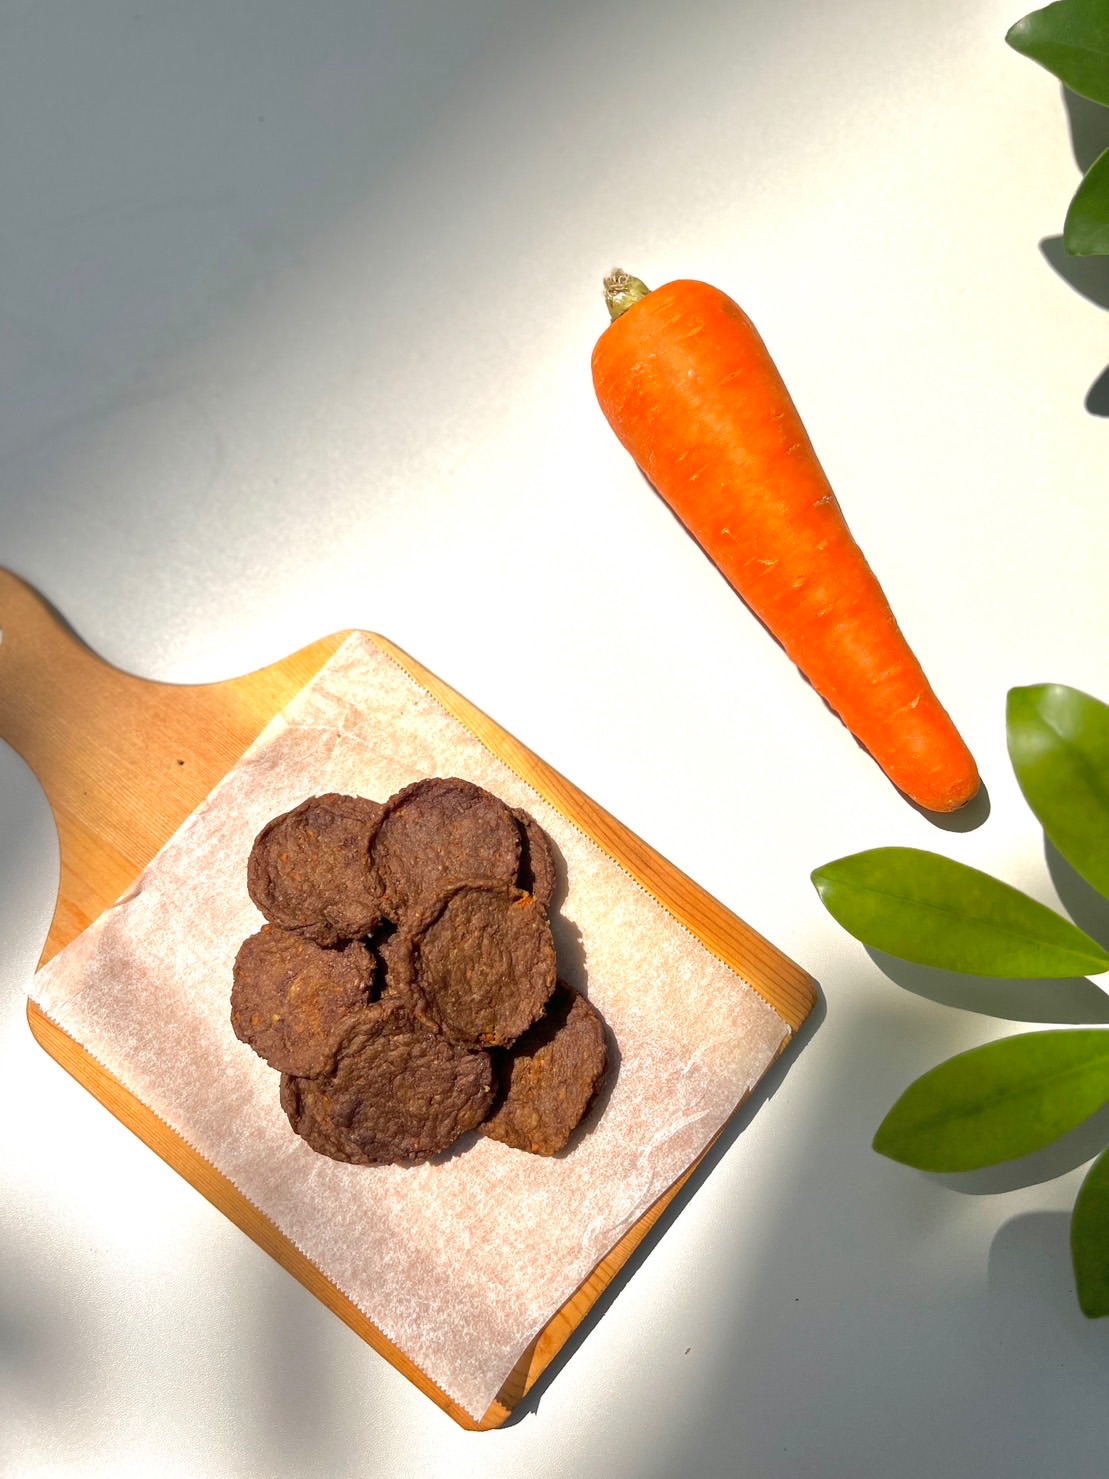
(689, 388)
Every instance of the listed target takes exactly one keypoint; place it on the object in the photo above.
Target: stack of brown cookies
(406, 984)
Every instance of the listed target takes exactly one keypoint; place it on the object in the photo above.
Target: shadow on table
(876, 1301)
(1063, 1000)
(764, 1091)
(1089, 276)
(1060, 1000)
(1088, 908)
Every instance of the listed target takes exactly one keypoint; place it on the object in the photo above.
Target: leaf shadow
(1063, 999)
(1032, 1294)
(1032, 1306)
(1074, 1149)
(1088, 276)
(1088, 909)
(1089, 128)
(1097, 397)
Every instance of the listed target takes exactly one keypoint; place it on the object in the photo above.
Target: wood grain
(124, 761)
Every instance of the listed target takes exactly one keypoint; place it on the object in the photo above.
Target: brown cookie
(389, 949)
(438, 833)
(290, 997)
(309, 868)
(397, 1093)
(538, 874)
(551, 1075)
(480, 963)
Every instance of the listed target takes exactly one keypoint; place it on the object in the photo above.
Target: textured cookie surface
(481, 963)
(290, 997)
(437, 833)
(309, 868)
(396, 1093)
(552, 1075)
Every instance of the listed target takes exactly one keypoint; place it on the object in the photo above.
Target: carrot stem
(622, 291)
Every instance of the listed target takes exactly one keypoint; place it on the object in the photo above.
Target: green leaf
(1059, 745)
(998, 1102)
(925, 908)
(1070, 39)
(1086, 228)
(1089, 1240)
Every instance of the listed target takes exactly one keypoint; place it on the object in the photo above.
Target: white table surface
(296, 311)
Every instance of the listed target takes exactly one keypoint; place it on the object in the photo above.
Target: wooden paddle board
(124, 761)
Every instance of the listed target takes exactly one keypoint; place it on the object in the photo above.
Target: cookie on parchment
(479, 964)
(309, 868)
(537, 874)
(396, 1093)
(551, 1076)
(290, 997)
(437, 833)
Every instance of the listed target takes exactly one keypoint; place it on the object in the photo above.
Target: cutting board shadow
(124, 761)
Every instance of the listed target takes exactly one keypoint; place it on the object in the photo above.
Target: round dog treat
(325, 1141)
(309, 868)
(481, 963)
(396, 1092)
(552, 1075)
(437, 833)
(537, 874)
(290, 997)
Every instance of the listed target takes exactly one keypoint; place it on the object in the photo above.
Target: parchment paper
(462, 1261)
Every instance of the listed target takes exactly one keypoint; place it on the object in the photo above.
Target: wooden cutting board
(124, 761)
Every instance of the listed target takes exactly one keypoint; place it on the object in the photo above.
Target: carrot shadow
(967, 819)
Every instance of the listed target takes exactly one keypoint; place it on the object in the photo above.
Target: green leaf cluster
(1071, 39)
(1012, 1097)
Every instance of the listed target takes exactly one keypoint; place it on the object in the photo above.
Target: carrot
(689, 388)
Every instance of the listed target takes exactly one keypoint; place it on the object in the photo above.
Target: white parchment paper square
(460, 1262)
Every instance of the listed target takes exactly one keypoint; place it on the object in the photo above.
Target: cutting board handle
(123, 760)
(56, 695)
